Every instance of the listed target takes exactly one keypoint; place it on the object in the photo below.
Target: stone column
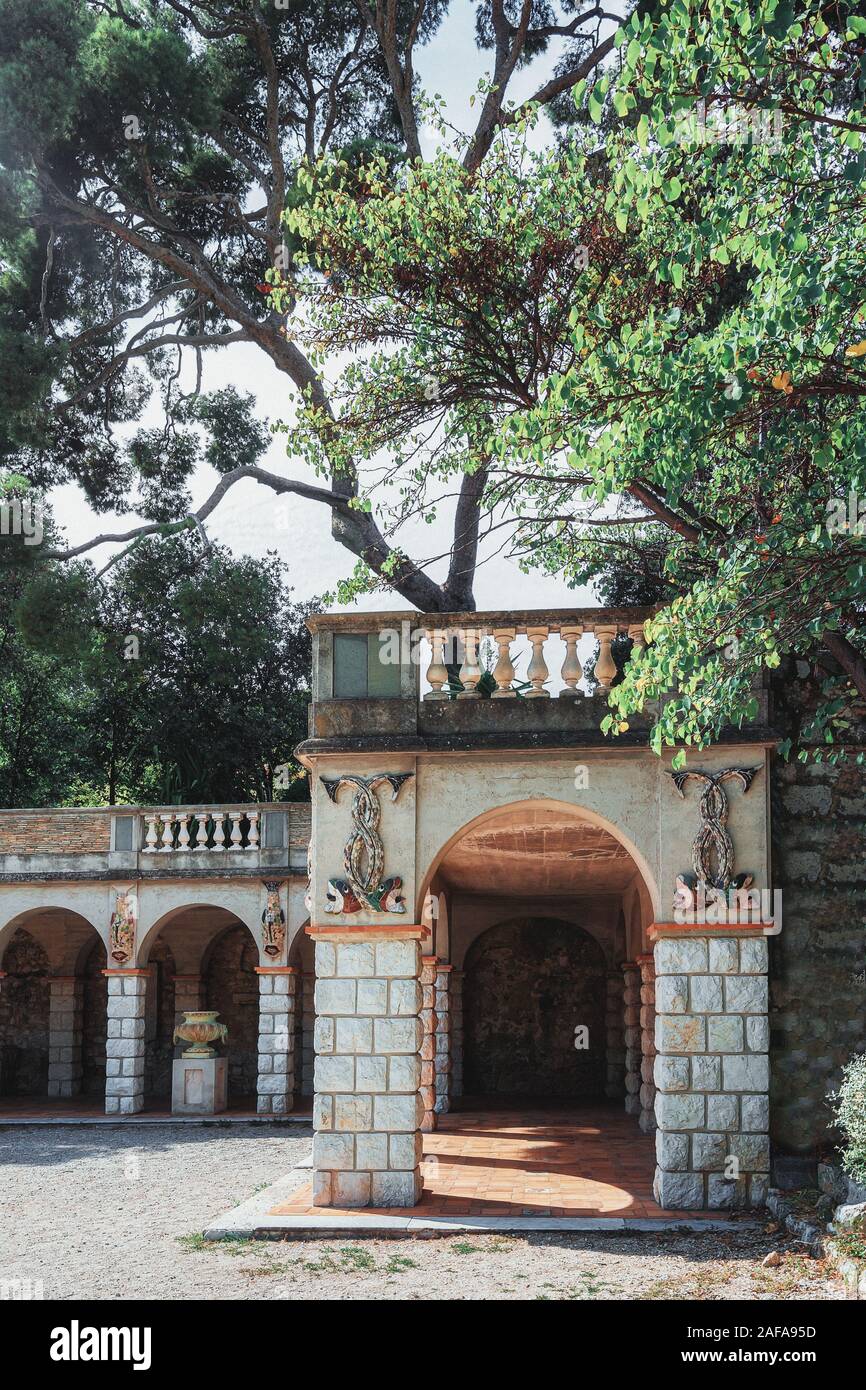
(647, 1043)
(275, 1087)
(125, 1043)
(442, 1060)
(308, 1019)
(65, 1068)
(614, 1051)
(631, 1035)
(368, 1110)
(456, 1034)
(712, 1070)
(428, 1042)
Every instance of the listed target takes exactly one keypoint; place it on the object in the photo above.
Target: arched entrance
(544, 1047)
(200, 957)
(52, 1008)
(534, 1012)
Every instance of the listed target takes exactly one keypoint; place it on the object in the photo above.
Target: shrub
(849, 1108)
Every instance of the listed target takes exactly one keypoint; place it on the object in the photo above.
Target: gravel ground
(108, 1213)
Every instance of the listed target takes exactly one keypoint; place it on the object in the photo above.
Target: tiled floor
(592, 1161)
(81, 1109)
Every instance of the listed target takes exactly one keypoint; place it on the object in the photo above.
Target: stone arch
(223, 917)
(53, 1022)
(646, 889)
(529, 983)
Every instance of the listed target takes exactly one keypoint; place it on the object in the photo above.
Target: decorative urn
(200, 1028)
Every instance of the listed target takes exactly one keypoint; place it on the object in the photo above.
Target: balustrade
(179, 832)
(454, 670)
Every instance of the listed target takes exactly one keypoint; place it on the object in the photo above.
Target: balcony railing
(181, 831)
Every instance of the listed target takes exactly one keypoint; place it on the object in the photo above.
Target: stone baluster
(201, 830)
(150, 840)
(437, 671)
(605, 666)
(503, 672)
(537, 671)
(167, 844)
(470, 671)
(236, 837)
(572, 671)
(183, 832)
(636, 634)
(253, 836)
(219, 831)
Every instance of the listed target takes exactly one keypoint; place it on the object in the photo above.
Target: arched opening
(302, 957)
(200, 957)
(52, 1009)
(538, 916)
(534, 992)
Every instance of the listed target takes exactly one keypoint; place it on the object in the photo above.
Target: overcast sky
(251, 519)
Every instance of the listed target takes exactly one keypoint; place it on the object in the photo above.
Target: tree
(190, 688)
(685, 415)
(153, 146)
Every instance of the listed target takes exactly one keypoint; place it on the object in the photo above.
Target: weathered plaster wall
(818, 963)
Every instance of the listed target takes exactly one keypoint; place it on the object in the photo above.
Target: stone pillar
(647, 1043)
(456, 1034)
(631, 1035)
(125, 1043)
(428, 1042)
(275, 1087)
(614, 1051)
(308, 1019)
(712, 1070)
(442, 1060)
(65, 1068)
(368, 1110)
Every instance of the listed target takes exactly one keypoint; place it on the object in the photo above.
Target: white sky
(252, 519)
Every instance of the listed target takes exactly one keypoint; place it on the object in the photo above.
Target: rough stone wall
(528, 985)
(818, 963)
(43, 832)
(24, 1006)
(232, 987)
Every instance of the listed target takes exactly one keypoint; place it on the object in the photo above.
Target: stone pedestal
(276, 1069)
(125, 1042)
(711, 1070)
(64, 1036)
(199, 1085)
(368, 1110)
